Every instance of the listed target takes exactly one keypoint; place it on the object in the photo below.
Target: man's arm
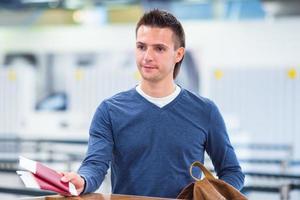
(94, 167)
(99, 154)
(221, 152)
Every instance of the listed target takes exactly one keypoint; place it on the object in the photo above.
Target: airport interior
(59, 59)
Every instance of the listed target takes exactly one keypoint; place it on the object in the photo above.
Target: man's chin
(150, 79)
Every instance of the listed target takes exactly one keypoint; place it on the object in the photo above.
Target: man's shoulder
(121, 97)
(196, 98)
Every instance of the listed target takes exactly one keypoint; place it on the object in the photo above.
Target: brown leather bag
(209, 188)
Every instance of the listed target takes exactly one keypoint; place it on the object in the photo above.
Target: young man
(151, 134)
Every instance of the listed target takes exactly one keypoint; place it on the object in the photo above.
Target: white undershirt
(162, 101)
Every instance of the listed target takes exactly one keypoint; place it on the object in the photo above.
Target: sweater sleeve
(221, 151)
(99, 154)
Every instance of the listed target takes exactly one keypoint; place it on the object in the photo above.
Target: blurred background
(60, 58)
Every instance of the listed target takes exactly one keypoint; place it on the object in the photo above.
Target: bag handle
(205, 171)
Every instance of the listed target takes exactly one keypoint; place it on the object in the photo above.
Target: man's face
(155, 53)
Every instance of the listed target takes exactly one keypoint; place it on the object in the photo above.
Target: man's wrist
(84, 184)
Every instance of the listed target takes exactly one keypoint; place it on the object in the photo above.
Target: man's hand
(74, 178)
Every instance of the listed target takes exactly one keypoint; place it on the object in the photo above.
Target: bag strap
(205, 171)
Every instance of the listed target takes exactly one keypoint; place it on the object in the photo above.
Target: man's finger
(62, 173)
(67, 177)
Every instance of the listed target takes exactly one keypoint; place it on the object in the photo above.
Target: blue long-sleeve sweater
(150, 149)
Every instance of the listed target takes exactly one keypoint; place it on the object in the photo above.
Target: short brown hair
(163, 19)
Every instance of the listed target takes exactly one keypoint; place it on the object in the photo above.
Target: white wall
(226, 44)
(216, 45)
(248, 43)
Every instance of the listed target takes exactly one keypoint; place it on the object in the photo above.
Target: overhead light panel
(39, 1)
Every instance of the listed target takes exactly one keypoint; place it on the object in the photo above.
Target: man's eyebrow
(160, 45)
(140, 43)
(155, 45)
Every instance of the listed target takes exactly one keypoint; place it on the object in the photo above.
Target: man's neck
(158, 90)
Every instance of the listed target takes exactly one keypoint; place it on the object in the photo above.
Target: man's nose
(148, 55)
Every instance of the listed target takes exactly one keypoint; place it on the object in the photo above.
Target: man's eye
(141, 47)
(160, 49)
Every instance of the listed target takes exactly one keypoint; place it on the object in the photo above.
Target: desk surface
(96, 196)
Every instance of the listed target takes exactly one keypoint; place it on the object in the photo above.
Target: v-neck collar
(139, 96)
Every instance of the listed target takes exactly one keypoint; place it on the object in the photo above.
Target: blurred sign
(124, 14)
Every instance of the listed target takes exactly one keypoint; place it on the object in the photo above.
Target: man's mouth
(149, 67)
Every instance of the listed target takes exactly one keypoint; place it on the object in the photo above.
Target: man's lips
(149, 67)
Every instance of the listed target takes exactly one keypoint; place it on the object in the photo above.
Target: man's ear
(179, 54)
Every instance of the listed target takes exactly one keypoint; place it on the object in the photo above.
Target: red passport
(42, 177)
